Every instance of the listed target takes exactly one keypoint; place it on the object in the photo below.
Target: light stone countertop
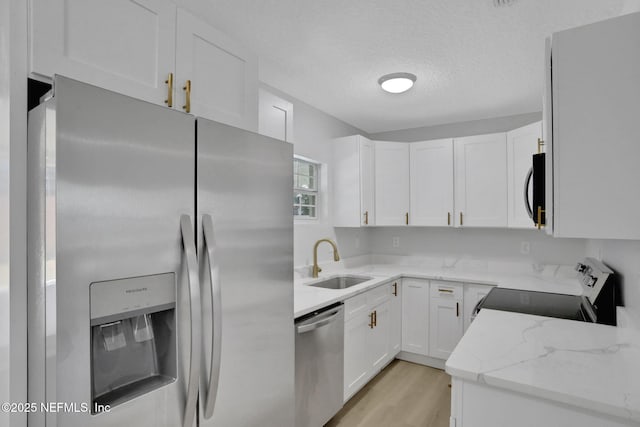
(307, 299)
(582, 364)
(592, 366)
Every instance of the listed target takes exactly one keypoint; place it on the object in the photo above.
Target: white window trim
(315, 192)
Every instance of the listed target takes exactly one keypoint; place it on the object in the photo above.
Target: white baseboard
(421, 360)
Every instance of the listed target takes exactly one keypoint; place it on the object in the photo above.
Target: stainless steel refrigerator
(160, 267)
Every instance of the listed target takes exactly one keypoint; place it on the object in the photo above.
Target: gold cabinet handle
(395, 289)
(375, 317)
(366, 217)
(540, 144)
(540, 212)
(461, 221)
(457, 309)
(449, 291)
(187, 89)
(406, 218)
(371, 321)
(448, 218)
(169, 82)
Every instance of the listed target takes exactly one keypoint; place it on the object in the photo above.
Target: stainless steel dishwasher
(319, 366)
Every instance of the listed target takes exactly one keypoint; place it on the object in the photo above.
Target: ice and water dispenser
(133, 337)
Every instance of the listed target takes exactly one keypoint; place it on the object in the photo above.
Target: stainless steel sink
(341, 282)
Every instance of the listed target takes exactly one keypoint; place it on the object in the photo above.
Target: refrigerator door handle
(189, 247)
(209, 395)
(527, 181)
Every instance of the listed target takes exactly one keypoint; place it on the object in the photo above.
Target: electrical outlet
(396, 242)
(525, 248)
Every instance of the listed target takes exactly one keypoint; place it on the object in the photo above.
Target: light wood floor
(402, 395)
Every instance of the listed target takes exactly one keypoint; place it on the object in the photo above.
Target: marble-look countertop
(307, 299)
(596, 367)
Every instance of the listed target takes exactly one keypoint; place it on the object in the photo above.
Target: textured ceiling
(473, 60)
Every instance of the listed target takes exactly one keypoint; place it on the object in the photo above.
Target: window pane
(311, 169)
(305, 186)
(303, 182)
(308, 211)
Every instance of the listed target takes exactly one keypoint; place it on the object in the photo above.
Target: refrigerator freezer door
(110, 177)
(245, 185)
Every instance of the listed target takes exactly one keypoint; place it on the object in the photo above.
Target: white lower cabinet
(366, 337)
(415, 316)
(379, 334)
(356, 354)
(395, 312)
(479, 405)
(446, 318)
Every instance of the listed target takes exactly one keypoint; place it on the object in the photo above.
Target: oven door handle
(476, 309)
(527, 182)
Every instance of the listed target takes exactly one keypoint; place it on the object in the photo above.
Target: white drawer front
(450, 290)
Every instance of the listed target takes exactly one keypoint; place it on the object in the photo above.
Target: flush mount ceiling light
(501, 3)
(397, 82)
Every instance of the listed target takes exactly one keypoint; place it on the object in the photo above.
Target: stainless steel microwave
(534, 201)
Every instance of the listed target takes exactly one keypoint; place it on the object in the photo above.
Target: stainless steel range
(597, 304)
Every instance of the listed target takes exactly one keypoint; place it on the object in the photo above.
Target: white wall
(451, 130)
(623, 256)
(312, 132)
(477, 243)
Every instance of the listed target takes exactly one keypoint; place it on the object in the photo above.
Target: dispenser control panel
(115, 299)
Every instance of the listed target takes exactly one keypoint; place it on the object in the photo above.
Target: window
(305, 188)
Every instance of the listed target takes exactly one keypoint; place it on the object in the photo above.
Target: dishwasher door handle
(320, 323)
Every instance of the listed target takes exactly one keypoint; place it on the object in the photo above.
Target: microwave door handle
(527, 182)
(191, 260)
(211, 390)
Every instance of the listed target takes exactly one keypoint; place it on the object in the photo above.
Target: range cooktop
(597, 304)
(572, 307)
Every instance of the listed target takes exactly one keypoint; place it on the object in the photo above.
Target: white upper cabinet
(122, 45)
(431, 185)
(275, 116)
(392, 183)
(522, 143)
(223, 74)
(481, 181)
(367, 182)
(353, 182)
(146, 49)
(593, 74)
